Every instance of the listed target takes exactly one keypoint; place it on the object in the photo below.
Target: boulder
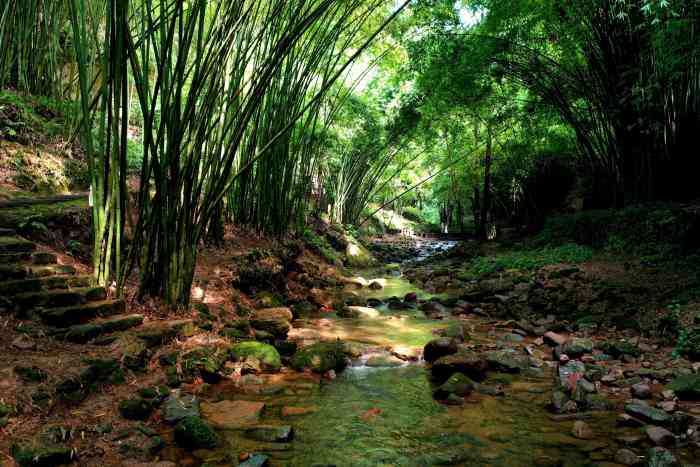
(506, 361)
(271, 434)
(194, 433)
(641, 391)
(660, 457)
(627, 457)
(135, 408)
(273, 313)
(321, 357)
(648, 414)
(266, 354)
(466, 362)
(207, 362)
(437, 348)
(581, 430)
(363, 312)
(456, 385)
(577, 347)
(686, 387)
(553, 339)
(179, 406)
(41, 455)
(660, 436)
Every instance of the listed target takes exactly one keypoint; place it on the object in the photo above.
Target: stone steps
(81, 314)
(12, 288)
(27, 302)
(38, 258)
(16, 245)
(83, 333)
(22, 271)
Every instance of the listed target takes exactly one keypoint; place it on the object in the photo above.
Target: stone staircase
(34, 287)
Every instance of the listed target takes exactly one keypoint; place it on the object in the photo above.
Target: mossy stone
(265, 353)
(686, 387)
(320, 357)
(135, 408)
(41, 456)
(194, 433)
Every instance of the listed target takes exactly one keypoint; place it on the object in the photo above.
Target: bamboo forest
(349, 233)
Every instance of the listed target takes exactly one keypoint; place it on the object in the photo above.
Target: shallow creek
(373, 416)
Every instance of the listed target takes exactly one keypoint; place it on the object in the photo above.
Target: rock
(271, 434)
(577, 346)
(410, 297)
(627, 420)
(570, 373)
(232, 415)
(320, 357)
(135, 408)
(41, 456)
(273, 313)
(667, 406)
(660, 457)
(617, 349)
(194, 433)
(512, 338)
(256, 460)
(558, 401)
(31, 374)
(660, 436)
(437, 348)
(208, 362)
(506, 361)
(288, 411)
(178, 406)
(384, 361)
(363, 312)
(24, 342)
(376, 285)
(457, 384)
(686, 387)
(266, 354)
(466, 362)
(641, 391)
(357, 256)
(627, 457)
(581, 430)
(648, 414)
(278, 327)
(553, 339)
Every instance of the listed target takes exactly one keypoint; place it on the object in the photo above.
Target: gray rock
(648, 414)
(179, 406)
(439, 348)
(660, 436)
(271, 434)
(641, 391)
(627, 457)
(256, 460)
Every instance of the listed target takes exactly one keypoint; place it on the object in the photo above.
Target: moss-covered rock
(457, 385)
(616, 348)
(41, 456)
(135, 408)
(268, 356)
(686, 387)
(356, 254)
(194, 433)
(321, 357)
(206, 362)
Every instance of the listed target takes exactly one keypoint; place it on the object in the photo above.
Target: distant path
(19, 202)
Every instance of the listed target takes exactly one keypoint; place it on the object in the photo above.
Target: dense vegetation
(462, 115)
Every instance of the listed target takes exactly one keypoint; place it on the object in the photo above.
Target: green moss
(530, 260)
(44, 213)
(194, 433)
(320, 357)
(265, 353)
(686, 387)
(41, 456)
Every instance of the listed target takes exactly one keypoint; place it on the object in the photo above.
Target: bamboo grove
(233, 99)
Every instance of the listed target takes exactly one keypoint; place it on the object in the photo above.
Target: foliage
(320, 245)
(530, 260)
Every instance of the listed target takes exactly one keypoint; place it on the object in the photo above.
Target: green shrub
(319, 245)
(412, 214)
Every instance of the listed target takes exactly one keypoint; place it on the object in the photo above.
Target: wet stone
(179, 406)
(641, 391)
(648, 414)
(627, 457)
(271, 434)
(660, 436)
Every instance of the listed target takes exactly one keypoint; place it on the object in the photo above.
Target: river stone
(384, 361)
(178, 406)
(576, 347)
(558, 401)
(581, 430)
(437, 348)
(273, 313)
(363, 312)
(686, 387)
(194, 433)
(278, 327)
(641, 391)
(660, 436)
(466, 362)
(660, 457)
(266, 354)
(457, 384)
(648, 414)
(271, 434)
(320, 357)
(572, 370)
(553, 339)
(627, 457)
(256, 460)
(135, 408)
(231, 415)
(506, 361)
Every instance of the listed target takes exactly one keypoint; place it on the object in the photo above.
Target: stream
(384, 414)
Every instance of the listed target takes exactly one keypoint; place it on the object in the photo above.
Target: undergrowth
(530, 260)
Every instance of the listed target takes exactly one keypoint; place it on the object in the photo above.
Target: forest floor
(564, 340)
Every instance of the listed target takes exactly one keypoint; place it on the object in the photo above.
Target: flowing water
(371, 416)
